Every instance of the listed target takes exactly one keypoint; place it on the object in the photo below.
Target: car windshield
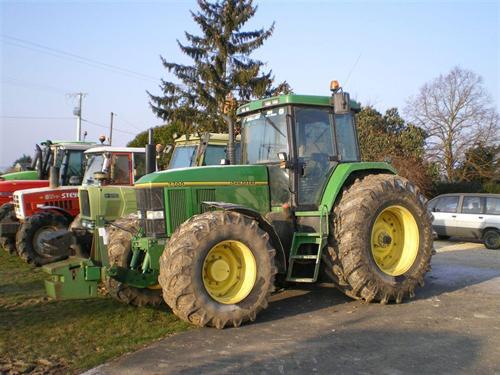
(263, 136)
(94, 164)
(183, 156)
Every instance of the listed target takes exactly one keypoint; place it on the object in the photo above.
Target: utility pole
(111, 128)
(77, 111)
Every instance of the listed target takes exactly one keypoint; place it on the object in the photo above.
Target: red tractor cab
(66, 155)
(41, 211)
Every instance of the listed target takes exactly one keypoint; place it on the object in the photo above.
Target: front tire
(218, 270)
(8, 214)
(491, 239)
(120, 254)
(31, 234)
(381, 243)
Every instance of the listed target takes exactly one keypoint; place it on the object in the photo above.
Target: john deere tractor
(212, 242)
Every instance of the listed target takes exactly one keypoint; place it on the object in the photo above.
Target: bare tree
(456, 112)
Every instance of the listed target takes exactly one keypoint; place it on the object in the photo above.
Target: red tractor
(42, 211)
(66, 155)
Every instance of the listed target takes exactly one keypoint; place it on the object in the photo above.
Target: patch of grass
(69, 335)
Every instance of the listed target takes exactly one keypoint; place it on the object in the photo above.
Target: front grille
(177, 207)
(84, 203)
(151, 200)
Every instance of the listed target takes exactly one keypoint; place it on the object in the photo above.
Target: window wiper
(274, 126)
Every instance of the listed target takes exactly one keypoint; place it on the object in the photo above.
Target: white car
(468, 215)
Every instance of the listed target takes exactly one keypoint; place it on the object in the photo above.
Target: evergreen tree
(221, 65)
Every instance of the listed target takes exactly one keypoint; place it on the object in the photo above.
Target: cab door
(315, 154)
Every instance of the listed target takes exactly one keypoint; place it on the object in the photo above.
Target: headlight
(154, 215)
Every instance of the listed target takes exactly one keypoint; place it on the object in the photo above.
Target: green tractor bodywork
(22, 175)
(100, 205)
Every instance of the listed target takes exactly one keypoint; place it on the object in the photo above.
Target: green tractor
(213, 242)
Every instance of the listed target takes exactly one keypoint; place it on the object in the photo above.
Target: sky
(382, 52)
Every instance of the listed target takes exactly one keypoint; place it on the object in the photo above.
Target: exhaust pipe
(150, 154)
(230, 143)
(54, 177)
(37, 162)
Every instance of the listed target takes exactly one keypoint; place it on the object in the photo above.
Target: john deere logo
(111, 195)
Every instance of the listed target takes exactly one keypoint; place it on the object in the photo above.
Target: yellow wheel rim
(229, 272)
(395, 240)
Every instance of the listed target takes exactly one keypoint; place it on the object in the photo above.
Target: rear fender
(263, 224)
(57, 210)
(345, 172)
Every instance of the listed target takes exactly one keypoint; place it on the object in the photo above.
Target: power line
(38, 117)
(66, 118)
(74, 57)
(18, 82)
(107, 127)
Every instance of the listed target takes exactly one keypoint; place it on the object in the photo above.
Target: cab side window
(120, 170)
(447, 204)
(139, 165)
(472, 205)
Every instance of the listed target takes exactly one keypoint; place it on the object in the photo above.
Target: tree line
(448, 137)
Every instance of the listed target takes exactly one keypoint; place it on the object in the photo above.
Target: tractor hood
(23, 175)
(228, 175)
(7, 188)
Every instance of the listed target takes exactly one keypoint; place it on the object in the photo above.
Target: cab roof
(101, 149)
(195, 137)
(280, 100)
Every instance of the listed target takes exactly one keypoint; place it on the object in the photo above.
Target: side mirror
(284, 163)
(75, 180)
(168, 149)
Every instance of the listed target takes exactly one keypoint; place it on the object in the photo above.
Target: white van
(468, 215)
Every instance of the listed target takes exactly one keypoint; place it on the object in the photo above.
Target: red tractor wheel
(32, 234)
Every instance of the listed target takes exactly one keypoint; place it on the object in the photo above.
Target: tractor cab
(198, 150)
(107, 187)
(66, 155)
(301, 139)
(114, 165)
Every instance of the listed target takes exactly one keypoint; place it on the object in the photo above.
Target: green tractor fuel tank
(168, 198)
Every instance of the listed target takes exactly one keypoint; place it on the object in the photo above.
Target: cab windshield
(214, 154)
(183, 156)
(94, 164)
(263, 136)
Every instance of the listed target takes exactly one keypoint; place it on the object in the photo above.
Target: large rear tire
(32, 233)
(7, 214)
(381, 242)
(120, 254)
(218, 270)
